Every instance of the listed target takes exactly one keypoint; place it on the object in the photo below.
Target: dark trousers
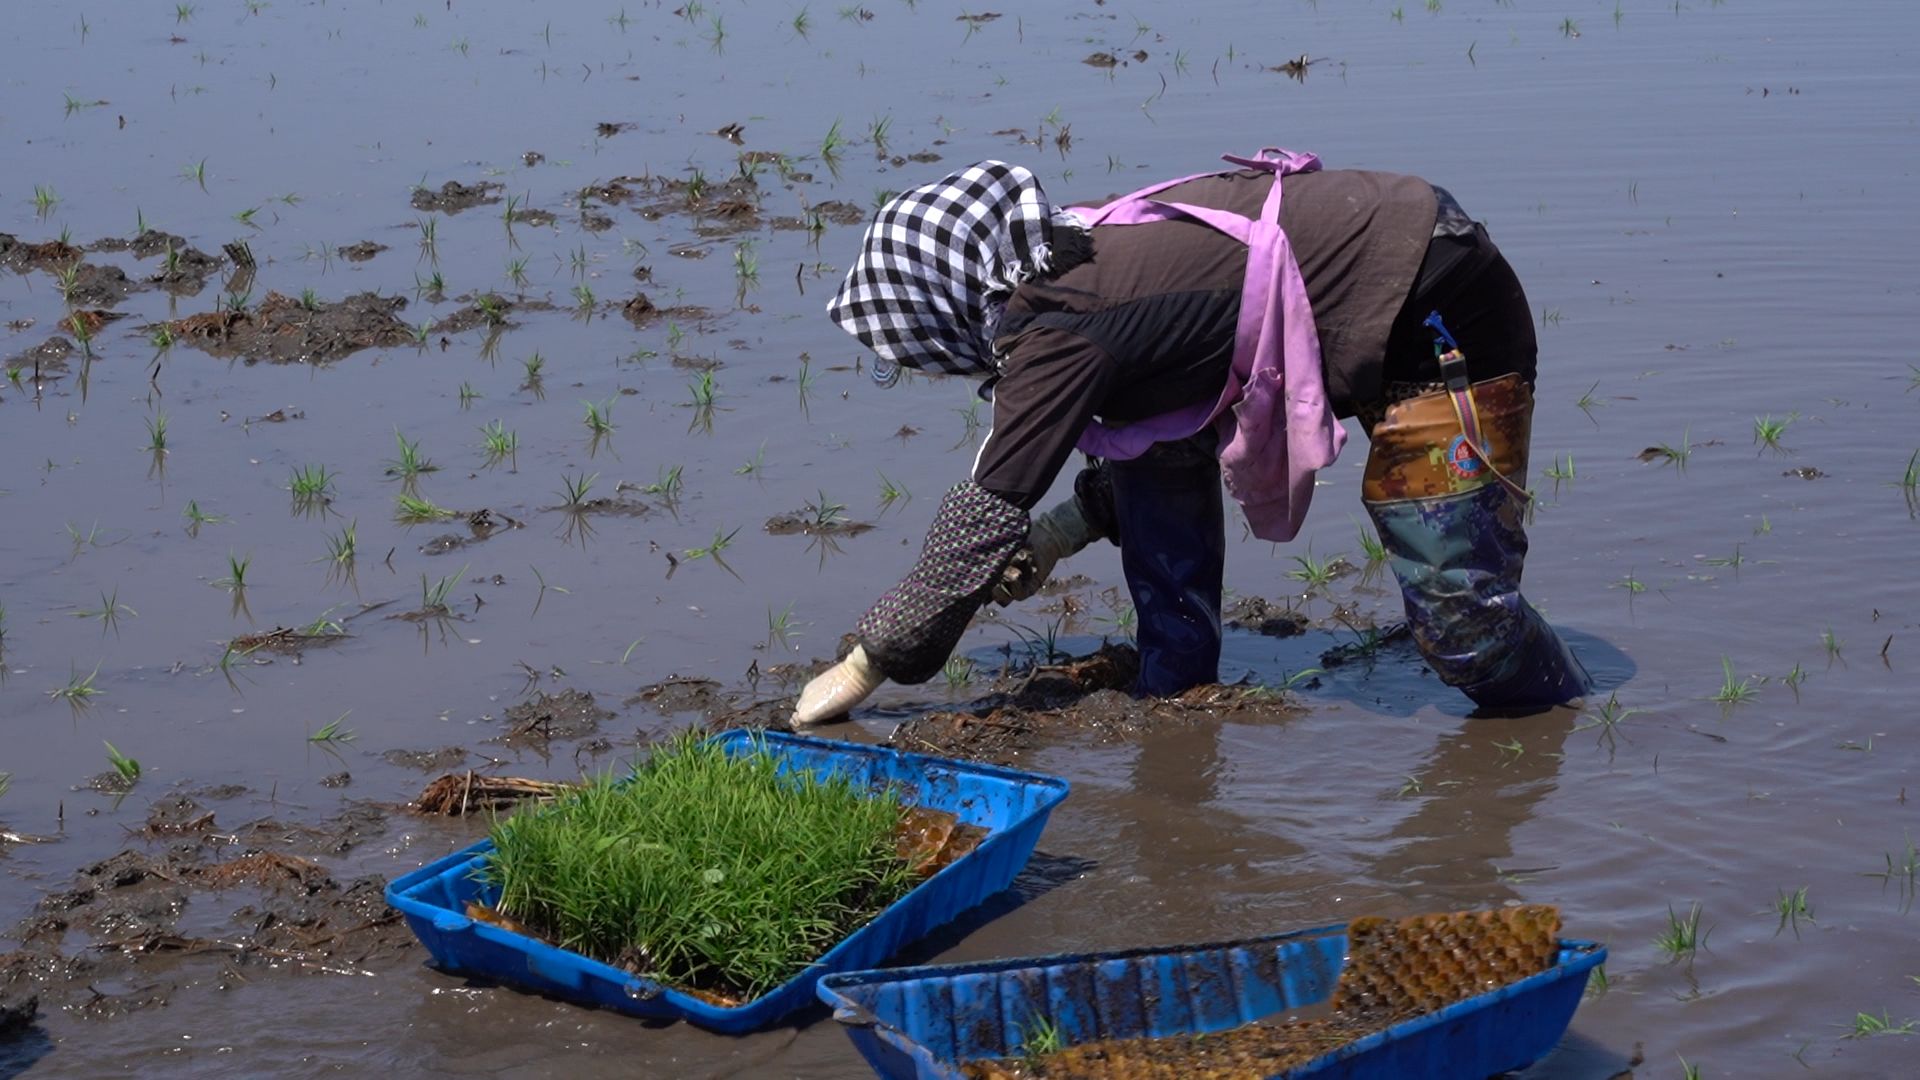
(1454, 538)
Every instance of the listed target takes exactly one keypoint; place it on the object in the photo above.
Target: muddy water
(1707, 205)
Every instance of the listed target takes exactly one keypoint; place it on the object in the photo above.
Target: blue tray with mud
(1317, 1004)
(1012, 806)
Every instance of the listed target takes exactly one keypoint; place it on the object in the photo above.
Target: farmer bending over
(1213, 327)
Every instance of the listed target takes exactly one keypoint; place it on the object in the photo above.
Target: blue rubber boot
(1173, 552)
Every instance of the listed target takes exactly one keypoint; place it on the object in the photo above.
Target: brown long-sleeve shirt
(1147, 324)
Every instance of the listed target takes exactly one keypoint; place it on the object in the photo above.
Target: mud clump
(47, 358)
(112, 942)
(460, 794)
(20, 256)
(284, 331)
(812, 523)
(569, 714)
(1089, 695)
(426, 760)
(100, 286)
(360, 252)
(482, 525)
(454, 196)
(1260, 616)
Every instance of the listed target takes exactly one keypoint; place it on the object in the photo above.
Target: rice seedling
(429, 235)
(1606, 719)
(545, 588)
(667, 487)
(958, 671)
(717, 34)
(409, 463)
(197, 172)
(196, 517)
(599, 418)
(1315, 573)
(1372, 550)
(89, 538)
(157, 432)
(583, 298)
(746, 265)
(1569, 28)
(780, 628)
(1734, 561)
(82, 333)
(236, 579)
(344, 545)
(1867, 1025)
(499, 443)
(832, 144)
(461, 45)
(1433, 7)
(245, 217)
(517, 272)
(1733, 692)
(79, 689)
(533, 366)
(68, 280)
(491, 308)
(807, 380)
(891, 493)
(467, 394)
(573, 489)
(1793, 679)
(1040, 1037)
(1560, 470)
(1597, 985)
(1674, 455)
(722, 540)
(182, 12)
(704, 391)
(1831, 644)
(1909, 481)
(1688, 1070)
(1398, 14)
(411, 509)
(435, 594)
(692, 10)
(1768, 429)
(1683, 937)
(713, 871)
(675, 335)
(312, 487)
(754, 464)
(802, 24)
(236, 303)
(824, 513)
(161, 338)
(1903, 871)
(1124, 620)
(331, 732)
(1765, 526)
(432, 285)
(109, 611)
(127, 768)
(1792, 907)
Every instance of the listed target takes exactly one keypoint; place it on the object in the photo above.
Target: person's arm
(1054, 382)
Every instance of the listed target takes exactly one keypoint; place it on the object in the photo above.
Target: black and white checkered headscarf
(937, 265)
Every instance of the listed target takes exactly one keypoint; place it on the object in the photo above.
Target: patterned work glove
(912, 629)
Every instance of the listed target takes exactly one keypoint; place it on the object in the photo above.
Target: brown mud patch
(1259, 616)
(47, 359)
(113, 941)
(482, 525)
(569, 714)
(642, 312)
(804, 522)
(427, 760)
(20, 256)
(454, 196)
(360, 252)
(284, 331)
(100, 286)
(1086, 696)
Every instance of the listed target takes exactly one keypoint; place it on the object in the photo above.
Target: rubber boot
(1456, 540)
(1173, 551)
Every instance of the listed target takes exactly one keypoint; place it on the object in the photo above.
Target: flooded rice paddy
(548, 245)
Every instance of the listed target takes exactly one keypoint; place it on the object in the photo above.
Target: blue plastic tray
(923, 1023)
(1012, 805)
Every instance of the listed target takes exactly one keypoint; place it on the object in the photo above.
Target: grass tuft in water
(1866, 1025)
(409, 463)
(128, 768)
(434, 595)
(409, 509)
(1733, 691)
(1683, 936)
(79, 688)
(573, 489)
(332, 732)
(1768, 430)
(1793, 908)
(499, 443)
(703, 870)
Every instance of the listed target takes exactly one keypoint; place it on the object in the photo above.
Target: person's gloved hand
(1056, 534)
(835, 691)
